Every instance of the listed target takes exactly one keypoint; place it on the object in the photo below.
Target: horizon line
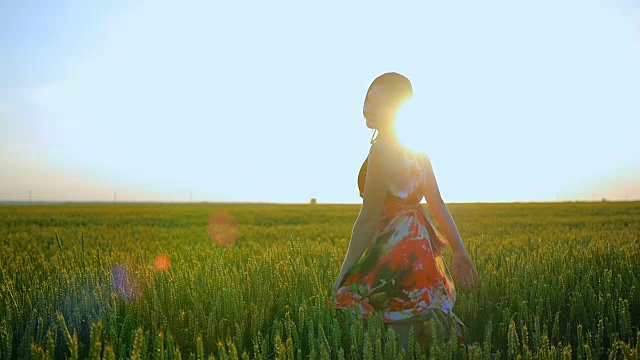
(142, 202)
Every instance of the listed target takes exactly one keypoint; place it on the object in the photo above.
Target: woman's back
(406, 182)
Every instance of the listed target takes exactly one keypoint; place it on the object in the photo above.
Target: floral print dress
(401, 273)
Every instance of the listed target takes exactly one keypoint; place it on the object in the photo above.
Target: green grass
(558, 281)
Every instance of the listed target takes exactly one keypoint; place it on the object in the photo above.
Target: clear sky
(262, 100)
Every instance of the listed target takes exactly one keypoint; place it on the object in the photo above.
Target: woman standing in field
(394, 264)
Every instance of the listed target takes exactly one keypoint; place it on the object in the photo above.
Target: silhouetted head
(386, 94)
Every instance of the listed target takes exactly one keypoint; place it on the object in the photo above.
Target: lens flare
(222, 229)
(162, 262)
(123, 283)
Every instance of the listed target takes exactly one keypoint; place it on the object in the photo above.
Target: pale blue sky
(262, 100)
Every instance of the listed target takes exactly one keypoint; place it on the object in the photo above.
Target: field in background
(166, 281)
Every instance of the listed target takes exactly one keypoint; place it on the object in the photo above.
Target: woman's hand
(464, 271)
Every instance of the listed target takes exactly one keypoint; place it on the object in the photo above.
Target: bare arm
(375, 192)
(440, 210)
(463, 267)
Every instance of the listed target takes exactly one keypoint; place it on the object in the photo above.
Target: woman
(394, 263)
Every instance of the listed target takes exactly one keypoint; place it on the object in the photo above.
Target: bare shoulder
(424, 159)
(379, 148)
(381, 157)
(425, 165)
(380, 152)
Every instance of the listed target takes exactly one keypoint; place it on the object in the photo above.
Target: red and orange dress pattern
(402, 274)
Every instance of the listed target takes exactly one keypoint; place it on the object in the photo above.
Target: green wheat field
(252, 281)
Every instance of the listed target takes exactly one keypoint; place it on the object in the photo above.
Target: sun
(411, 127)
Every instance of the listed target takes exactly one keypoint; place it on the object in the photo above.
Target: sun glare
(411, 127)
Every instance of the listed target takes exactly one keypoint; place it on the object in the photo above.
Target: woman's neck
(387, 135)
